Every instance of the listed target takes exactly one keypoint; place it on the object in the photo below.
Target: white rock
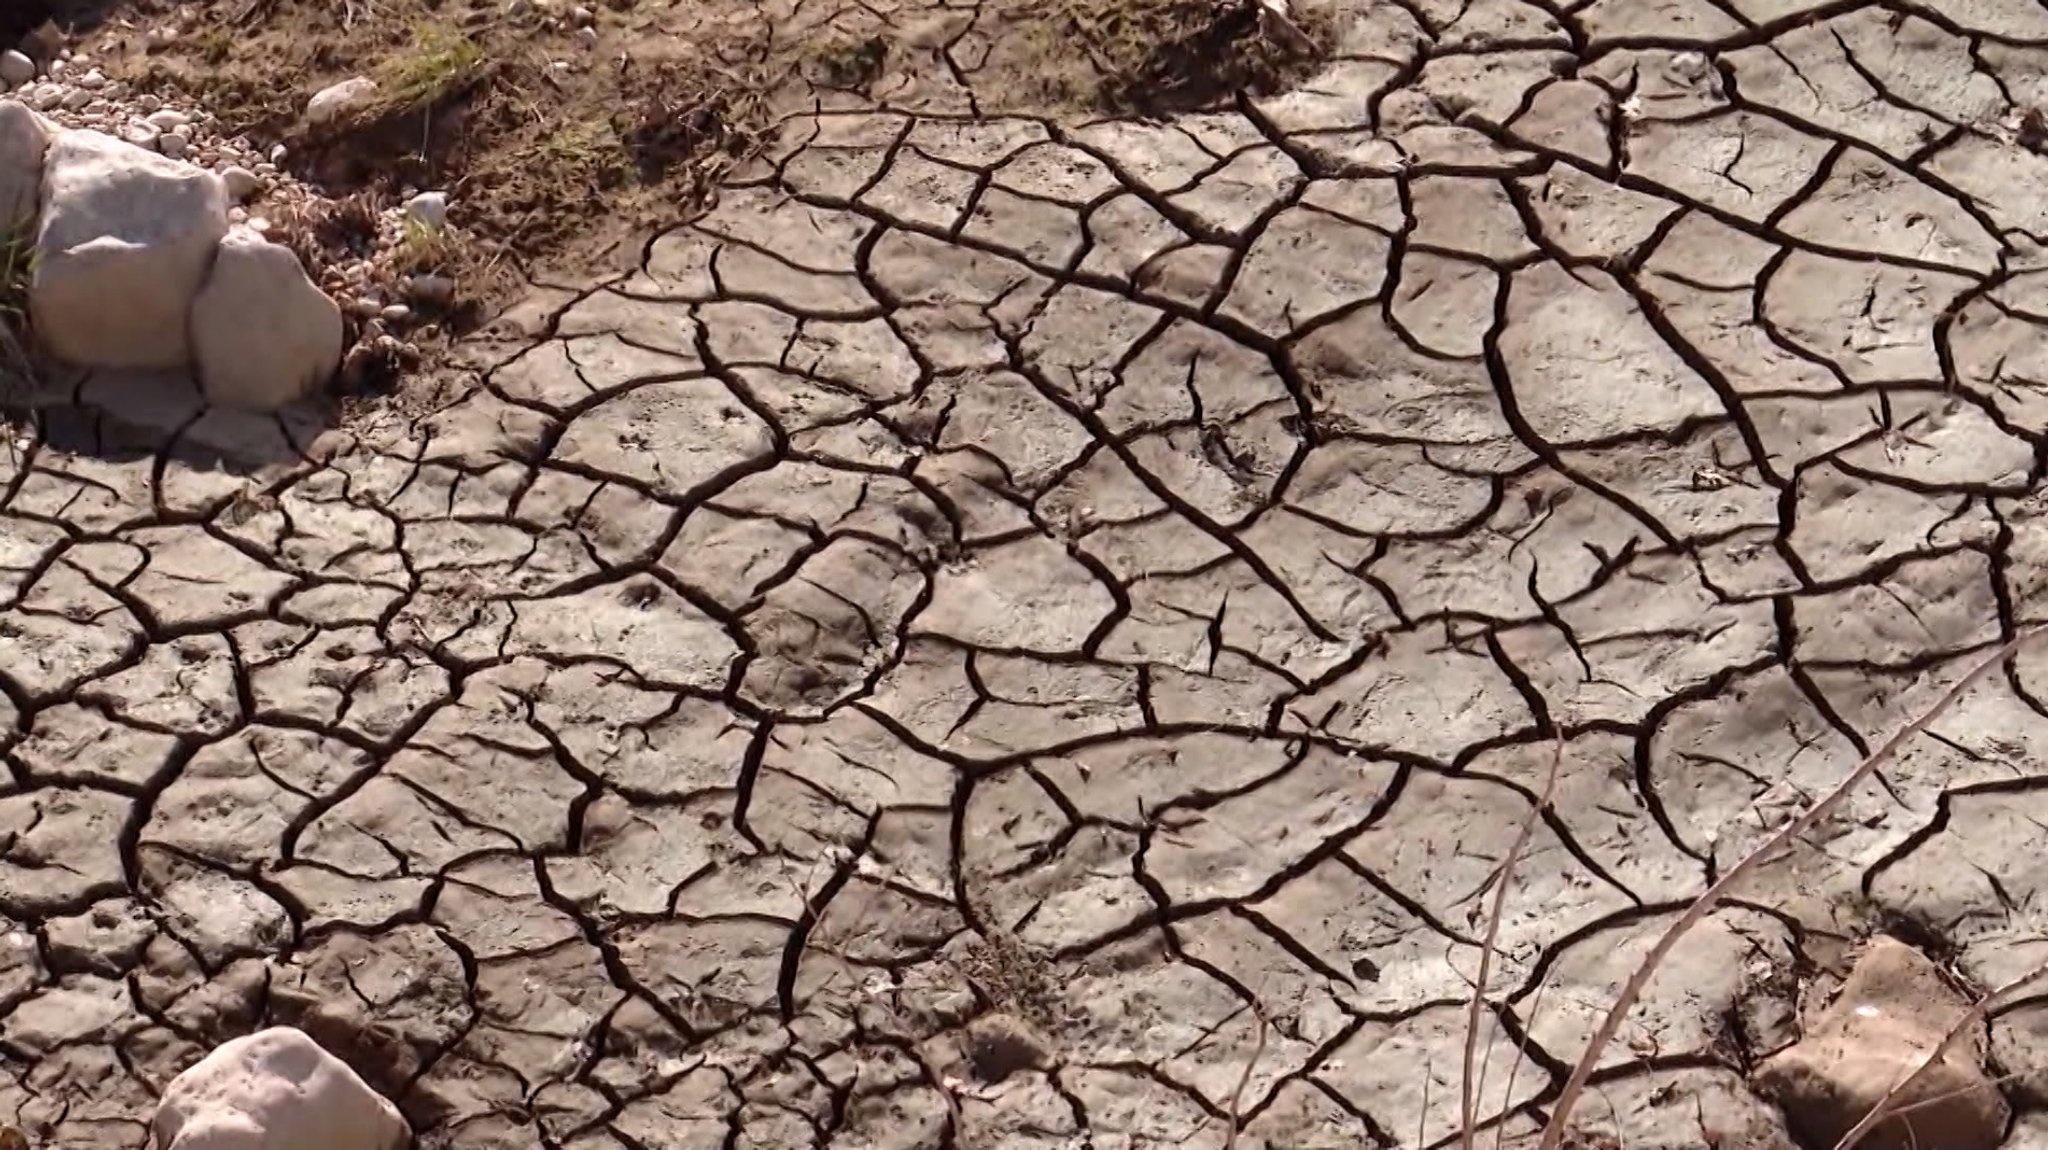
(141, 135)
(428, 210)
(16, 68)
(168, 120)
(94, 80)
(173, 144)
(263, 335)
(44, 97)
(125, 241)
(336, 100)
(395, 313)
(75, 99)
(241, 183)
(274, 1088)
(24, 138)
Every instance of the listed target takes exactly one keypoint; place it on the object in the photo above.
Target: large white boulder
(126, 239)
(24, 138)
(263, 334)
(271, 1090)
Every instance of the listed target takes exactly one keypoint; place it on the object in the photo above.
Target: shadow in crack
(127, 414)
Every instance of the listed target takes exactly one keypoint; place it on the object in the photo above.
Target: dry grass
(1785, 837)
(849, 62)
(1472, 1081)
(17, 266)
(546, 163)
(1145, 57)
(563, 154)
(1558, 1127)
(1977, 1015)
(441, 64)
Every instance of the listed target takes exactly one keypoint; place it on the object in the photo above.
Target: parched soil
(1086, 625)
(567, 134)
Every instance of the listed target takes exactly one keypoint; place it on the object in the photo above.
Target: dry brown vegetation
(1561, 1128)
(564, 145)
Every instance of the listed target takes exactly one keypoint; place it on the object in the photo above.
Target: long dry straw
(1472, 1081)
(1887, 1106)
(1554, 1130)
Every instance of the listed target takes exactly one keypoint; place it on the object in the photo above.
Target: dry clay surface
(1030, 633)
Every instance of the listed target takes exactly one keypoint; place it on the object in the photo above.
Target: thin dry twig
(1470, 1082)
(1575, 1085)
(1995, 1081)
(1972, 1018)
(1521, 1054)
(1422, 1115)
(1244, 1079)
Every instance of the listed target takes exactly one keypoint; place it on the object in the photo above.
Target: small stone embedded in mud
(338, 100)
(1892, 1014)
(432, 289)
(241, 182)
(999, 1045)
(428, 210)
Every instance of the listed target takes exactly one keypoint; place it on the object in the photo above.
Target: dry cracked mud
(1036, 631)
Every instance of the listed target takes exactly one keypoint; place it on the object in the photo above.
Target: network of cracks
(1027, 633)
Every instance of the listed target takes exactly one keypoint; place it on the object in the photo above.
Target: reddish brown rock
(1894, 1011)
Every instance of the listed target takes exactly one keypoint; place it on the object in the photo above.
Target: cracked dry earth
(1000, 606)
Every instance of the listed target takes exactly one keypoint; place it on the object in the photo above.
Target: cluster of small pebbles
(68, 89)
(553, 12)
